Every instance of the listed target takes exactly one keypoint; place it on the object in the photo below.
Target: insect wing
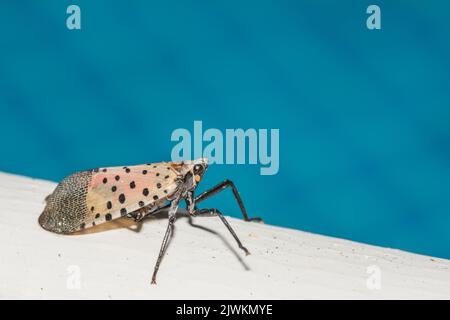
(116, 191)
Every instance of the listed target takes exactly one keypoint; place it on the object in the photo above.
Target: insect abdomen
(66, 208)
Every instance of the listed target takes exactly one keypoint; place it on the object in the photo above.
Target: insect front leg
(190, 202)
(220, 187)
(172, 211)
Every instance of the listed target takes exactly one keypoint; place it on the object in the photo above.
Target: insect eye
(198, 169)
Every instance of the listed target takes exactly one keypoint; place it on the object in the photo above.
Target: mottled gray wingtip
(65, 208)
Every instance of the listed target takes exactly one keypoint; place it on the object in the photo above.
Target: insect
(88, 198)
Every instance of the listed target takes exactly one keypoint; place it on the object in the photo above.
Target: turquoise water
(364, 116)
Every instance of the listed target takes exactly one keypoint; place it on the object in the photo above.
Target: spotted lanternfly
(96, 196)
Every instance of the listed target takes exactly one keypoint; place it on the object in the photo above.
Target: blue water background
(364, 116)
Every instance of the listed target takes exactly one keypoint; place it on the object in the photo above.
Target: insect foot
(256, 219)
(247, 253)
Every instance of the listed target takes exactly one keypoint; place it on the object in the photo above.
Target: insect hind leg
(220, 187)
(164, 245)
(217, 213)
(172, 216)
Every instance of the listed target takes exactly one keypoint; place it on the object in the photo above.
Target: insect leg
(216, 212)
(220, 187)
(165, 242)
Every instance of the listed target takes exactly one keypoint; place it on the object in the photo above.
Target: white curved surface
(118, 263)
